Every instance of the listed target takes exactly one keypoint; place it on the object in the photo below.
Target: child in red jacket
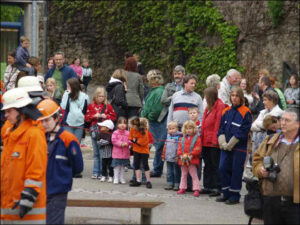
(189, 149)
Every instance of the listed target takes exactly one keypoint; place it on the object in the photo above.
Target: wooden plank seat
(146, 207)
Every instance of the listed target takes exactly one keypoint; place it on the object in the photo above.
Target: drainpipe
(44, 59)
(34, 29)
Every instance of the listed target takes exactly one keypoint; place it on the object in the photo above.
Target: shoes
(116, 181)
(131, 181)
(176, 188)
(205, 191)
(181, 192)
(135, 184)
(83, 145)
(196, 193)
(231, 202)
(214, 194)
(99, 177)
(123, 182)
(148, 185)
(154, 175)
(126, 169)
(110, 180)
(168, 187)
(103, 179)
(221, 199)
(78, 175)
(94, 176)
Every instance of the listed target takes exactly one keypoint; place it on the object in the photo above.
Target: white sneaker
(94, 176)
(116, 181)
(103, 179)
(110, 179)
(123, 182)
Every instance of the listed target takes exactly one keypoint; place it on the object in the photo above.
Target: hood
(112, 83)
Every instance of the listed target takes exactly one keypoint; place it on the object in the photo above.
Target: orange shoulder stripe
(225, 110)
(67, 137)
(243, 110)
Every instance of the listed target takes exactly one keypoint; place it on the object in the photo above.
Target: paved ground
(184, 209)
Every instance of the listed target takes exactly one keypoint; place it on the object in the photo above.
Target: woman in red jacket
(98, 111)
(211, 152)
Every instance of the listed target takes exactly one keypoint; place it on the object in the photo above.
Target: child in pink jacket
(121, 152)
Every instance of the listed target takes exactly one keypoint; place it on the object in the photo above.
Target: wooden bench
(146, 207)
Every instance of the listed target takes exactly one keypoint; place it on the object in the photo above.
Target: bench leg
(145, 216)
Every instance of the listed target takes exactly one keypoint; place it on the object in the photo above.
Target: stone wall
(259, 44)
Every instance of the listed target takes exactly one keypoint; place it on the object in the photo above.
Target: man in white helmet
(23, 161)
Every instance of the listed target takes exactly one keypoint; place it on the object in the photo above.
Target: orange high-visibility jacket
(23, 164)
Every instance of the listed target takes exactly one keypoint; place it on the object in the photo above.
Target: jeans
(97, 169)
(173, 174)
(78, 132)
(159, 133)
(86, 81)
(280, 212)
(55, 210)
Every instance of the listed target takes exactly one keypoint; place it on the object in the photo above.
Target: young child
(169, 155)
(22, 56)
(105, 146)
(53, 90)
(194, 115)
(271, 124)
(189, 149)
(120, 152)
(86, 73)
(138, 135)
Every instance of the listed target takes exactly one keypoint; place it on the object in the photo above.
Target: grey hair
(271, 95)
(155, 77)
(213, 80)
(231, 72)
(60, 53)
(179, 68)
(293, 111)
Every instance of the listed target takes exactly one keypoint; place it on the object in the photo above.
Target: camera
(271, 167)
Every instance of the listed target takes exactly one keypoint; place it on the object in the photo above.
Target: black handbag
(94, 130)
(253, 202)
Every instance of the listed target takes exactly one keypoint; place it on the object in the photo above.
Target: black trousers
(278, 211)
(55, 211)
(211, 178)
(106, 166)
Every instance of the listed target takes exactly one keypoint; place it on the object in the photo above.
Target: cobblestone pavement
(177, 209)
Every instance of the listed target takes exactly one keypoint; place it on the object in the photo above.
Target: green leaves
(162, 31)
(276, 11)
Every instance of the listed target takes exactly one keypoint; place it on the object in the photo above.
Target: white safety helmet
(30, 84)
(15, 98)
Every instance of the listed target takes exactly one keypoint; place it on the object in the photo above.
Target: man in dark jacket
(60, 72)
(264, 85)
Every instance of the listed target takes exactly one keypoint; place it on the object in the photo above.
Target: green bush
(275, 9)
(161, 31)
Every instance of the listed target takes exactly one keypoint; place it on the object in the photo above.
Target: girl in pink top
(76, 66)
(121, 152)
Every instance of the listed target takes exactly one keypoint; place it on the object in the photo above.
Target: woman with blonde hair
(97, 111)
(116, 92)
(53, 91)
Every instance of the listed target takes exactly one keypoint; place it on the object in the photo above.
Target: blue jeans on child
(97, 169)
(173, 174)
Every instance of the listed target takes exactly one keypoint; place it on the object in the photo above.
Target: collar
(283, 140)
(23, 127)
(183, 92)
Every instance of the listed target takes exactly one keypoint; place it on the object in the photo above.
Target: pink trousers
(192, 170)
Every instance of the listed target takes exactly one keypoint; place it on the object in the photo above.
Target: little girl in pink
(120, 152)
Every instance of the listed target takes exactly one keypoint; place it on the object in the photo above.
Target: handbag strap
(102, 111)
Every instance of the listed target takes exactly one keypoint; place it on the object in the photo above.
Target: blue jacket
(64, 161)
(67, 73)
(22, 56)
(236, 121)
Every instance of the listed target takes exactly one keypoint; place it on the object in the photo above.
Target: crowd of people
(46, 118)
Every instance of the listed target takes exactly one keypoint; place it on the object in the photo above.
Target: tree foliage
(164, 33)
(276, 11)
(10, 13)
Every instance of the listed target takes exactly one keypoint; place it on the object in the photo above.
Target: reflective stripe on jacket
(23, 164)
